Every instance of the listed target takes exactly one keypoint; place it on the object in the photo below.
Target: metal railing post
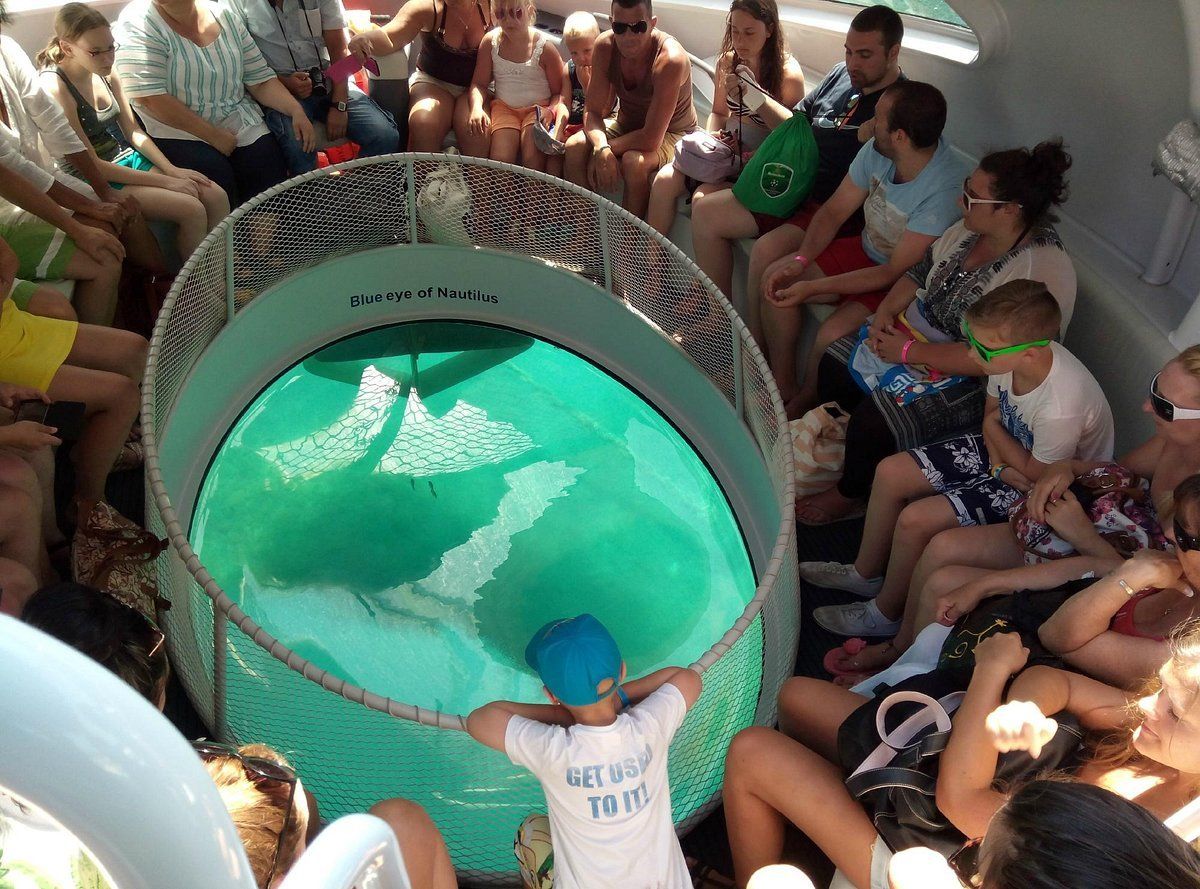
(411, 198)
(605, 253)
(739, 399)
(230, 302)
(220, 641)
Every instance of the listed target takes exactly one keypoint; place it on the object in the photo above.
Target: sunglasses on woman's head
(636, 27)
(988, 354)
(257, 769)
(1167, 409)
(965, 864)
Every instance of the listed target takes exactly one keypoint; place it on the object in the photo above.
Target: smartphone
(65, 416)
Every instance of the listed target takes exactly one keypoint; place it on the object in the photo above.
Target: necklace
(462, 21)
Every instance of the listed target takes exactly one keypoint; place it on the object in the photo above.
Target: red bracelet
(904, 351)
(803, 260)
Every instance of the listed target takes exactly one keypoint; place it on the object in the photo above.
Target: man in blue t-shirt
(841, 110)
(907, 182)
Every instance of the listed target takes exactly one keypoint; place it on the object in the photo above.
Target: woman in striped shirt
(193, 71)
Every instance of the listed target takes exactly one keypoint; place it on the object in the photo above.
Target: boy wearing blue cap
(599, 750)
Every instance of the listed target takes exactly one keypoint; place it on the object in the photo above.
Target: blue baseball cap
(573, 656)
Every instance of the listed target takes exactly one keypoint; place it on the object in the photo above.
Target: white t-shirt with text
(1065, 417)
(607, 790)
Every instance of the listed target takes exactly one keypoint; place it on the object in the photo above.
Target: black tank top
(443, 61)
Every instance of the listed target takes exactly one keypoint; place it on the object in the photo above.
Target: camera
(319, 87)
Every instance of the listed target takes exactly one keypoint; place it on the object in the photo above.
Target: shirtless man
(649, 75)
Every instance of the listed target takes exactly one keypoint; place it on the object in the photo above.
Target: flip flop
(850, 647)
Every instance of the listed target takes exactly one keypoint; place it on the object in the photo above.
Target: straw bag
(443, 202)
(113, 554)
(819, 448)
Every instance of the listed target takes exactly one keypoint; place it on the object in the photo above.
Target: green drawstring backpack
(779, 176)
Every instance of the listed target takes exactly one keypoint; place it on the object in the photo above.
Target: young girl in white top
(529, 74)
(78, 63)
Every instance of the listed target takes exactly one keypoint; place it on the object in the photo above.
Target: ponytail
(1032, 177)
(51, 55)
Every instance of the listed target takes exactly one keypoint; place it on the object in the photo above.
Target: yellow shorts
(666, 151)
(505, 117)
(33, 348)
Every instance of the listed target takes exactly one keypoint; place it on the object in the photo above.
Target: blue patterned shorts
(957, 468)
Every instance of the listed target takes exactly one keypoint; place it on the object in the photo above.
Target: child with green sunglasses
(1043, 406)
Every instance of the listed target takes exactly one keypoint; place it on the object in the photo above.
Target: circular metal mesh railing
(245, 683)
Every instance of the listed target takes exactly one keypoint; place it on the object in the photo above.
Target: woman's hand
(180, 185)
(889, 345)
(479, 122)
(26, 435)
(11, 395)
(370, 43)
(1056, 479)
(1066, 516)
(302, 129)
(954, 604)
(225, 141)
(1003, 653)
(881, 323)
(1152, 568)
(1020, 725)
(191, 175)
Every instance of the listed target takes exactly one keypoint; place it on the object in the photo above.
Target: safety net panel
(355, 747)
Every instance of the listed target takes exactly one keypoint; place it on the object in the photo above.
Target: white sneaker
(855, 619)
(836, 576)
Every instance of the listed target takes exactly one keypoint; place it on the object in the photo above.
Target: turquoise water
(406, 507)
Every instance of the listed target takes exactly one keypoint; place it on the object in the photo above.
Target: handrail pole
(220, 642)
(230, 302)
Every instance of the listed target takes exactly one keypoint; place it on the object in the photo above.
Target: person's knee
(746, 753)
(892, 471)
(17, 585)
(49, 303)
(920, 519)
(636, 167)
(794, 698)
(16, 472)
(408, 820)
(943, 549)
(133, 348)
(941, 581)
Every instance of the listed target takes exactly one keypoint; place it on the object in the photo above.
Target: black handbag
(891, 747)
(1021, 612)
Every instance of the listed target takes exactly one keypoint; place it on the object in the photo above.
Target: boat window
(936, 10)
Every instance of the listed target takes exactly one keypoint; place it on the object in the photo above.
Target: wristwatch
(340, 106)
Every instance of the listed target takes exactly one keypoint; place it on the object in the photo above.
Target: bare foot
(870, 659)
(826, 508)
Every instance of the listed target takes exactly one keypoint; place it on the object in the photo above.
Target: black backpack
(891, 746)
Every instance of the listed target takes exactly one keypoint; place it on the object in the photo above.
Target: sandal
(705, 877)
(850, 647)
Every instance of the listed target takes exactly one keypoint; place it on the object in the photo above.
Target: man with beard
(841, 110)
(649, 75)
(907, 182)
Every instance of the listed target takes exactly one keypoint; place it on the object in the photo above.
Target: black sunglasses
(257, 769)
(965, 864)
(636, 27)
(1184, 542)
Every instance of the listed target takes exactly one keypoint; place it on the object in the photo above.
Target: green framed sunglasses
(988, 354)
